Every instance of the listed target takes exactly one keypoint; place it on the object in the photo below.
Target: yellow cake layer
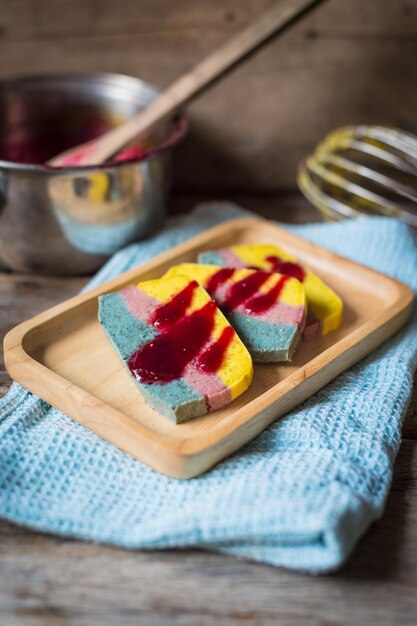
(236, 370)
(256, 255)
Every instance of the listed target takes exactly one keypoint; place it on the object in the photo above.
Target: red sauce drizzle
(211, 359)
(263, 302)
(286, 267)
(218, 278)
(244, 289)
(167, 314)
(181, 340)
(165, 357)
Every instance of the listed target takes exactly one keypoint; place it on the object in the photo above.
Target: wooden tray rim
(19, 362)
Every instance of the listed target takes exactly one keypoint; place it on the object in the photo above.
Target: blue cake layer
(210, 258)
(176, 399)
(266, 342)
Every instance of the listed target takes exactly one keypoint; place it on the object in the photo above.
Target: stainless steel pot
(69, 220)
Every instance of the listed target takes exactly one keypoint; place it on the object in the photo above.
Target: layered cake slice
(325, 307)
(177, 345)
(266, 309)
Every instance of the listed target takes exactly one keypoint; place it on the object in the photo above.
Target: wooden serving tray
(63, 356)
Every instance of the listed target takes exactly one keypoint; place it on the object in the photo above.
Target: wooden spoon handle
(188, 86)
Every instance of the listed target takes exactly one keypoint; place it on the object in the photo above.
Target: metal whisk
(360, 170)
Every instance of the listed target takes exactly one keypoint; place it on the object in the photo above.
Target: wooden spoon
(97, 151)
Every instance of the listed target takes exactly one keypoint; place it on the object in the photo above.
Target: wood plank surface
(49, 581)
(347, 62)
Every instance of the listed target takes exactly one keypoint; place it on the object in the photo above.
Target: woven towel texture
(300, 495)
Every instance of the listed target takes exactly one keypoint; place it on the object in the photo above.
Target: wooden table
(46, 580)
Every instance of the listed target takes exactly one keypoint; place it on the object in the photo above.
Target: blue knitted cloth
(300, 495)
